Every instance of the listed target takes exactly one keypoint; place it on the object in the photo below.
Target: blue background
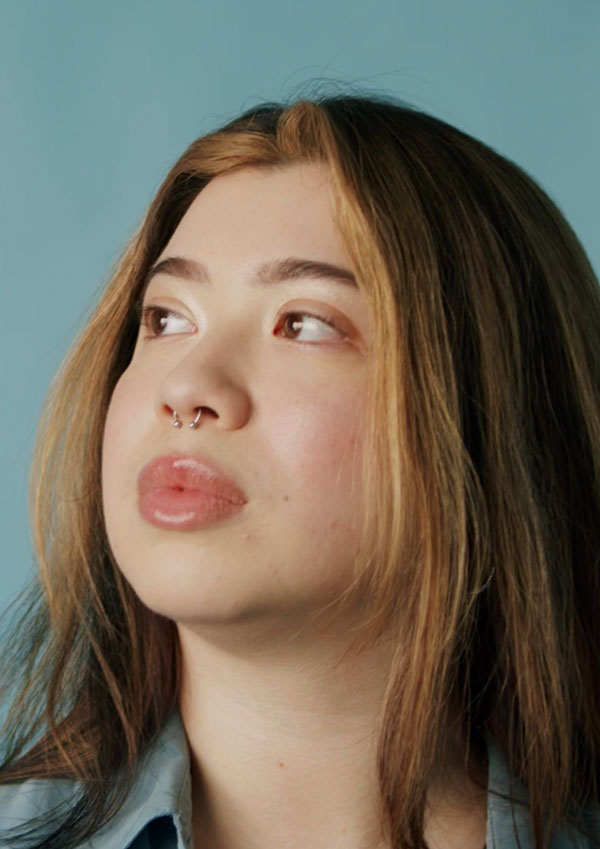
(97, 99)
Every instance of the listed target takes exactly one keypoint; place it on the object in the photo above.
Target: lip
(185, 493)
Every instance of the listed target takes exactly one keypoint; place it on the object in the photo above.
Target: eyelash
(146, 314)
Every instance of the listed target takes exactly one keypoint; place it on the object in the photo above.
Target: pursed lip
(185, 492)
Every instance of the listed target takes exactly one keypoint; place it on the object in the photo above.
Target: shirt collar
(162, 787)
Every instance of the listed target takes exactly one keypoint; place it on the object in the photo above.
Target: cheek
(128, 406)
(117, 418)
(121, 433)
(319, 442)
(317, 448)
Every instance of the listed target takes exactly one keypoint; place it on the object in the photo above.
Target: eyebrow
(275, 271)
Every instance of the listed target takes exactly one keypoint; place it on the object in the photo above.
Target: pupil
(295, 324)
(159, 321)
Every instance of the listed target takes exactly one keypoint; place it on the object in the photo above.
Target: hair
(485, 408)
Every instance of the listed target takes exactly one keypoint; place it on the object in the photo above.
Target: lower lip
(185, 510)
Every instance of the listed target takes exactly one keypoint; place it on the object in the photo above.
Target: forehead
(259, 211)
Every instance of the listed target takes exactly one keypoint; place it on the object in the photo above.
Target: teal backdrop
(98, 97)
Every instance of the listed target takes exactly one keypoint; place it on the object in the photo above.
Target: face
(255, 510)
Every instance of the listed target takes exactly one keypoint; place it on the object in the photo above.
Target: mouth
(186, 493)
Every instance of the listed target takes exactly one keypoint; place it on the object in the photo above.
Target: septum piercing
(178, 423)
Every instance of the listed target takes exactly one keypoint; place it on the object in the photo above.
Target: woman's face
(255, 511)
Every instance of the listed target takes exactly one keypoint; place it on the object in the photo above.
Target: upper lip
(188, 472)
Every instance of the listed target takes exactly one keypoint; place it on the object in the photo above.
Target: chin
(190, 591)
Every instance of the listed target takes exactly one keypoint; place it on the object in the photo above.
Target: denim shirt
(157, 811)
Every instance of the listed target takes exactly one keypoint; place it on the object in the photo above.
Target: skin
(281, 415)
(281, 716)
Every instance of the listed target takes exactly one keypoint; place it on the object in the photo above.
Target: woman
(316, 507)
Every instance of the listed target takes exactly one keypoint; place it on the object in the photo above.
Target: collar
(162, 787)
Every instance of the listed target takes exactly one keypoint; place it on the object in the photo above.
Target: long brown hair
(486, 411)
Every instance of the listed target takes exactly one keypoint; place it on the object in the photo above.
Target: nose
(204, 387)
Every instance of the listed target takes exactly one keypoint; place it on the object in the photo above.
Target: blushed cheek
(319, 443)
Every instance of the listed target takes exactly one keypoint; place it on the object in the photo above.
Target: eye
(160, 321)
(306, 327)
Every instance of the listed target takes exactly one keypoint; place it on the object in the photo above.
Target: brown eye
(292, 324)
(160, 321)
(155, 320)
(306, 327)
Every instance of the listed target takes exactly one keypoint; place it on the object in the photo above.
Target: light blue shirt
(157, 811)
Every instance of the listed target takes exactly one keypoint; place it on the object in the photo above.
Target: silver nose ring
(178, 423)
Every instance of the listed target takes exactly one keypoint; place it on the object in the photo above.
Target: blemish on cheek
(286, 498)
(281, 764)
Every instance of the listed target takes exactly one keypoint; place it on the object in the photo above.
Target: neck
(283, 738)
(283, 741)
